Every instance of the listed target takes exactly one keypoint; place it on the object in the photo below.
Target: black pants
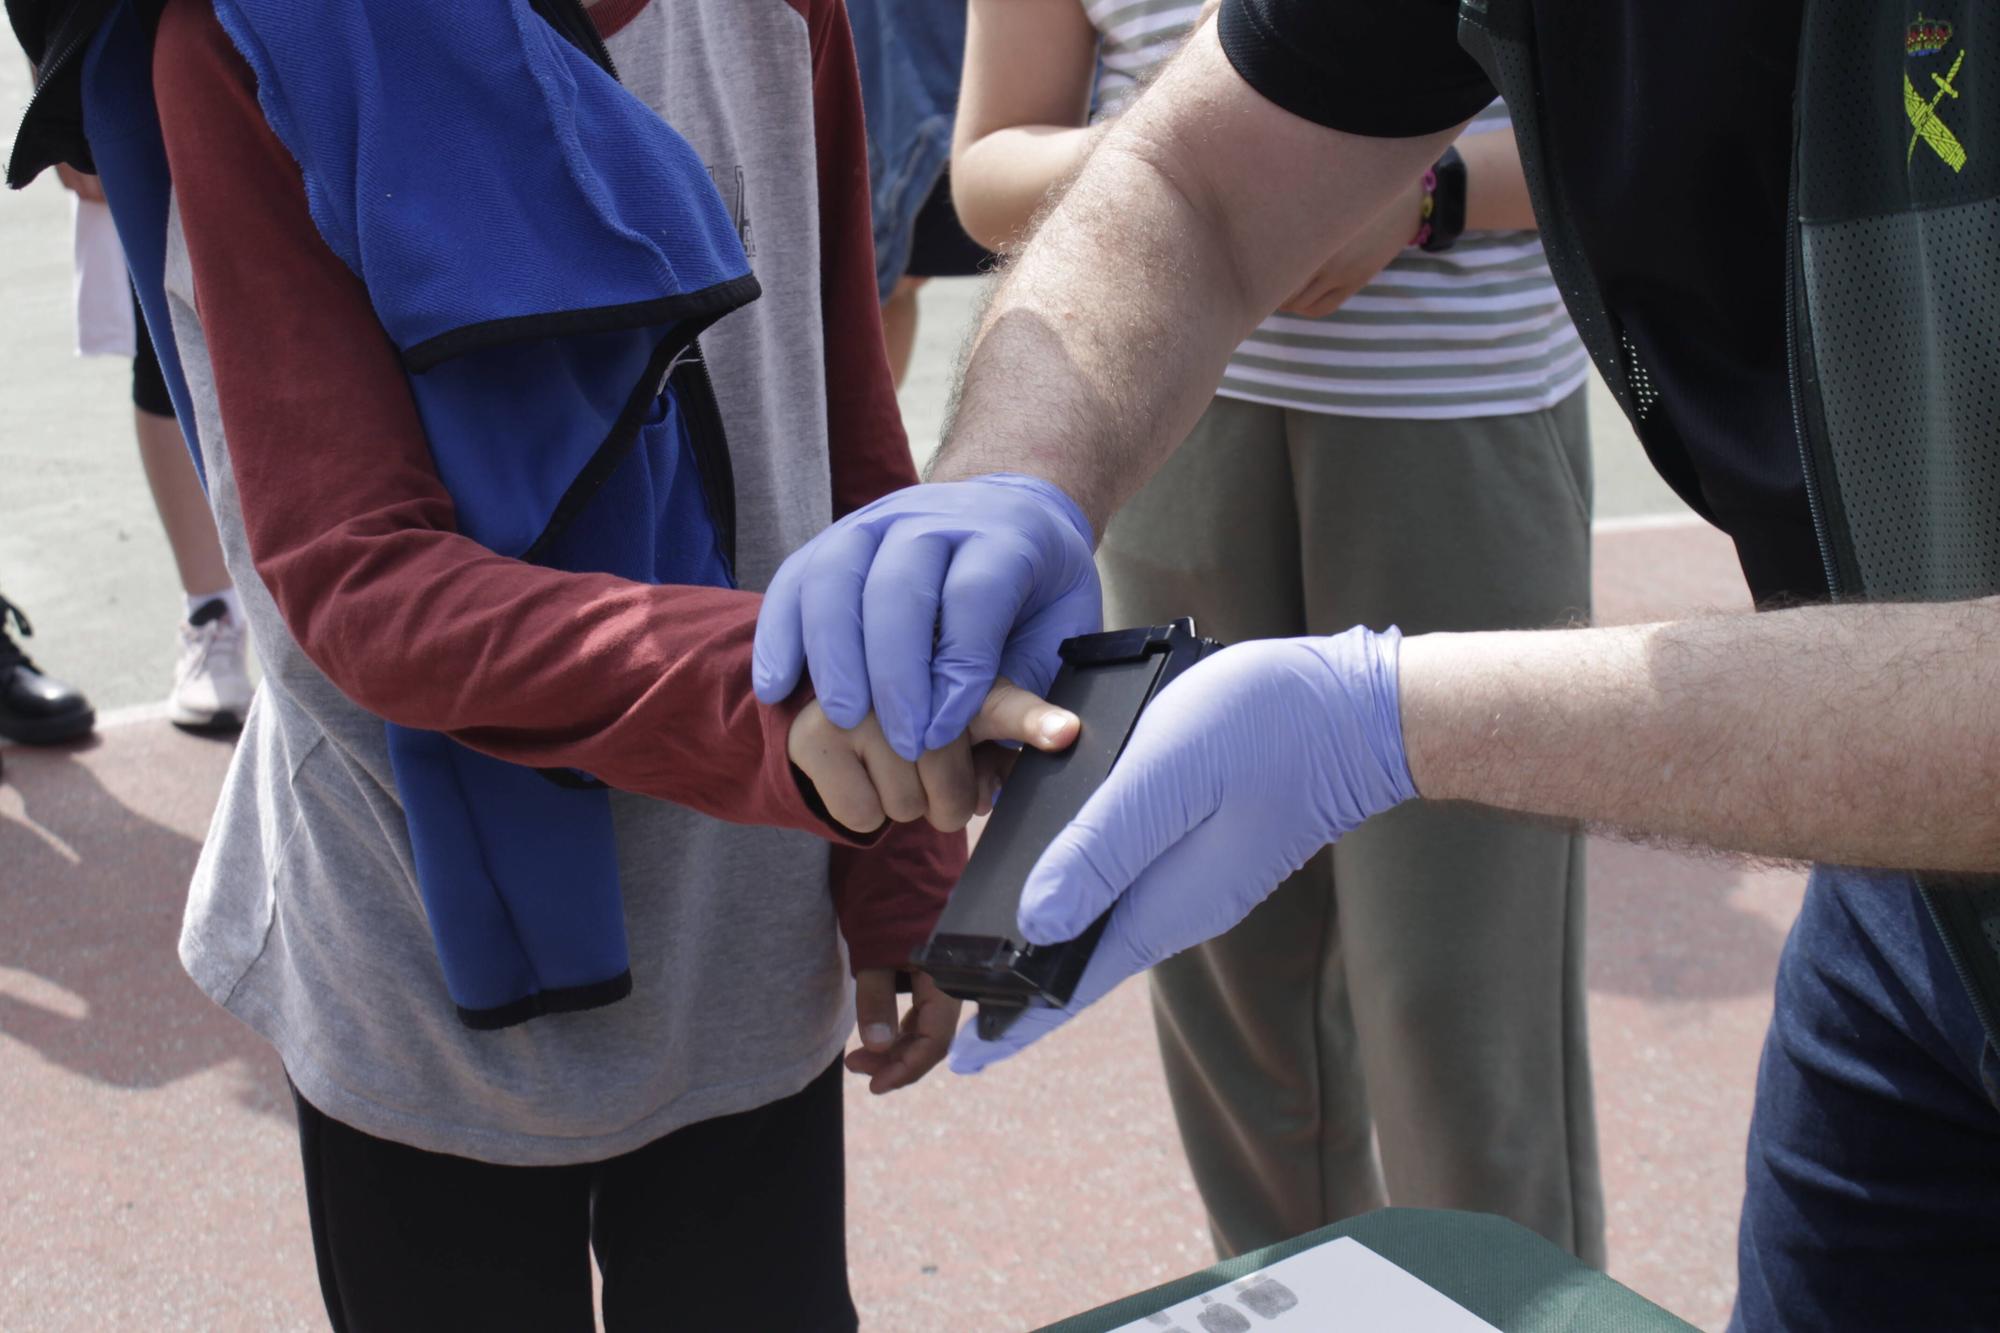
(734, 1223)
(149, 384)
(939, 246)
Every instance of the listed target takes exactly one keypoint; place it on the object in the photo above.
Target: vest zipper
(1794, 371)
(1795, 356)
(1949, 938)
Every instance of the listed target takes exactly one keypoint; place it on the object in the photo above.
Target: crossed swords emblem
(1924, 120)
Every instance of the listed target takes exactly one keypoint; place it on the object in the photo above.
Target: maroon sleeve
(356, 539)
(888, 895)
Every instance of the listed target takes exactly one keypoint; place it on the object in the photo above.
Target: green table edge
(1502, 1272)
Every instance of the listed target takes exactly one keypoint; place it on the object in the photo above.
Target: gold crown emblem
(1927, 37)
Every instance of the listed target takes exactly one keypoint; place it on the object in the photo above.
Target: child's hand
(862, 781)
(80, 183)
(1358, 262)
(894, 1058)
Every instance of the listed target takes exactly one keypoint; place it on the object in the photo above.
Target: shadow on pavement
(1669, 926)
(91, 893)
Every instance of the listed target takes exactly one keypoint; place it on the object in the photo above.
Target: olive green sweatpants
(1419, 985)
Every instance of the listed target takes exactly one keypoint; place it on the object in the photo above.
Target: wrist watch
(1445, 221)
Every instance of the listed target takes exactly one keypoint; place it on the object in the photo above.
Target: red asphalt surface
(148, 1167)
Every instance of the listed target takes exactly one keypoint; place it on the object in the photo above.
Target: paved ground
(147, 1168)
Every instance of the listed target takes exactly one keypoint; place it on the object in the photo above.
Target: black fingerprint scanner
(976, 952)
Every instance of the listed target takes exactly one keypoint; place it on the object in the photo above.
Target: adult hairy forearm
(1201, 209)
(1062, 381)
(1865, 735)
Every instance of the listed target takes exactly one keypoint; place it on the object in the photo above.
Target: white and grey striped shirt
(1477, 330)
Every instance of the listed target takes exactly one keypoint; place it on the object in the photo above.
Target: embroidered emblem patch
(1929, 37)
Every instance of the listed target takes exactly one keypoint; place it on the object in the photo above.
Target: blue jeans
(1873, 1193)
(909, 52)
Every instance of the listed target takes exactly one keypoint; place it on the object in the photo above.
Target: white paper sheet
(104, 320)
(1339, 1287)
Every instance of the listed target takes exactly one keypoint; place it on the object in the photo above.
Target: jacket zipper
(47, 71)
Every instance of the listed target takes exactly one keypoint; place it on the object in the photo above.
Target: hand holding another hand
(910, 607)
(862, 782)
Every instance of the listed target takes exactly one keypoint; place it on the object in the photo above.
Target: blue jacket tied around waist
(541, 247)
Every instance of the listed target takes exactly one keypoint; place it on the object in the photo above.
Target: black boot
(35, 710)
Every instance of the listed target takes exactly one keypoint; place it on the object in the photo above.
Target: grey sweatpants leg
(1421, 983)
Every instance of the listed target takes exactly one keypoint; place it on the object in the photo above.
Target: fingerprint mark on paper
(1222, 1319)
(1268, 1298)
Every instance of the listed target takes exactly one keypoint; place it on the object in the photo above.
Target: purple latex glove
(1235, 776)
(909, 607)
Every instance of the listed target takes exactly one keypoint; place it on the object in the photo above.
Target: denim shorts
(910, 53)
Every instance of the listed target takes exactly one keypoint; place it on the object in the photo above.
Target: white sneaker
(211, 679)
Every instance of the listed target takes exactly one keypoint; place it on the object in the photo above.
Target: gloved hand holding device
(1239, 772)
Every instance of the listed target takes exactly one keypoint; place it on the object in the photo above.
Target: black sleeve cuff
(1387, 71)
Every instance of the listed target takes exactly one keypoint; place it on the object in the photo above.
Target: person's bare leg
(183, 507)
(899, 325)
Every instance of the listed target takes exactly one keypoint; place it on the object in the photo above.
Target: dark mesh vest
(1893, 326)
